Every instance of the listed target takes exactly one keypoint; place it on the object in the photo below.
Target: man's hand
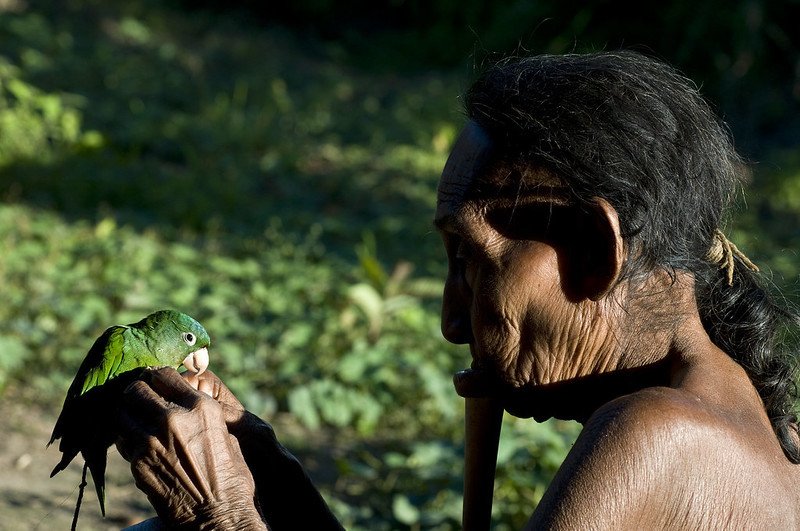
(181, 454)
(210, 384)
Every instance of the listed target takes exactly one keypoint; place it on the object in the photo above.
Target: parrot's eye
(189, 338)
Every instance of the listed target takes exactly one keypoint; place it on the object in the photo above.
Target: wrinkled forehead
(475, 172)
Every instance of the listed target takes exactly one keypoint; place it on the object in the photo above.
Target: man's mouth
(480, 380)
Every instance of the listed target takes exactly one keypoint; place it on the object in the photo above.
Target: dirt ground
(30, 499)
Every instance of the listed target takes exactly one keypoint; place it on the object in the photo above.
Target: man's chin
(531, 401)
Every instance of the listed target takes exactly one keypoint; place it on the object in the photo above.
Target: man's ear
(599, 251)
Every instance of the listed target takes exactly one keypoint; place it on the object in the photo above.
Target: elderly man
(580, 211)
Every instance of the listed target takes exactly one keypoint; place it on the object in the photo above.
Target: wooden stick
(483, 420)
(81, 488)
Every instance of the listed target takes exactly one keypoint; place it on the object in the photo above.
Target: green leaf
(301, 404)
(404, 511)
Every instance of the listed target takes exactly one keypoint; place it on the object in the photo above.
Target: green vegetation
(278, 190)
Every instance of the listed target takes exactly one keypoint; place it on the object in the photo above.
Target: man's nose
(456, 322)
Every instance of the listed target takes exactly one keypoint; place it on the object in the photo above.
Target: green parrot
(86, 424)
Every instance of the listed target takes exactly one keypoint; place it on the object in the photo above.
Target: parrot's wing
(94, 395)
(103, 361)
(106, 352)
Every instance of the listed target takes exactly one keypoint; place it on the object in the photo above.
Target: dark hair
(630, 129)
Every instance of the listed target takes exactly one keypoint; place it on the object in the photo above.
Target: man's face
(504, 294)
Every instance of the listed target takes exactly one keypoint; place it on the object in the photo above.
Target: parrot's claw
(197, 361)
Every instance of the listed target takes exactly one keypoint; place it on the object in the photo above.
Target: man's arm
(288, 498)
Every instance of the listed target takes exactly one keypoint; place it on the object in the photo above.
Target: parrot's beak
(197, 361)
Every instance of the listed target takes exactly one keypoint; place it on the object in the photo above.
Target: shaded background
(272, 171)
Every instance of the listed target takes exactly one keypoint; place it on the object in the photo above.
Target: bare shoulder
(660, 457)
(658, 417)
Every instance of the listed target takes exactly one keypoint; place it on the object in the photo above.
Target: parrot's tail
(66, 459)
(96, 461)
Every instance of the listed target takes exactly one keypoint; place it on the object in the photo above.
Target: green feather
(106, 355)
(86, 423)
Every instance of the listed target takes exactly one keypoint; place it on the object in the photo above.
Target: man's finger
(143, 402)
(207, 382)
(210, 384)
(208, 387)
(169, 384)
(134, 439)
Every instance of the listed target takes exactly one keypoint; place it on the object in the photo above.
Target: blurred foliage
(278, 185)
(744, 53)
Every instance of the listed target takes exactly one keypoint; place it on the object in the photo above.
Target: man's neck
(578, 398)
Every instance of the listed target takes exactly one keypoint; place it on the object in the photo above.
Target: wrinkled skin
(530, 317)
(206, 463)
(675, 435)
(505, 296)
(182, 455)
